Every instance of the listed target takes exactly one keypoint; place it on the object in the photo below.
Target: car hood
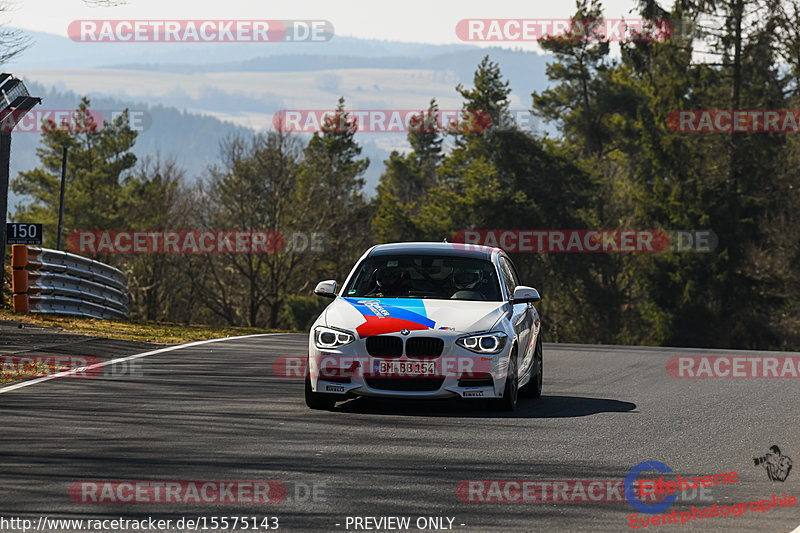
(378, 316)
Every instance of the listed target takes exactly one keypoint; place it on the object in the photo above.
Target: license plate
(406, 368)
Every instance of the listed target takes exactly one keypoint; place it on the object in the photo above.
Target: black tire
(511, 392)
(534, 387)
(317, 400)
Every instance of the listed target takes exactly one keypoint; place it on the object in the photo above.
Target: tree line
(615, 163)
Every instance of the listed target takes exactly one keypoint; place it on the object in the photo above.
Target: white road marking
(66, 373)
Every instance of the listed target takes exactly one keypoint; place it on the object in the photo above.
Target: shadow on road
(544, 407)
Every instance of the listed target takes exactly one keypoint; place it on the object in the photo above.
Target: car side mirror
(525, 295)
(326, 288)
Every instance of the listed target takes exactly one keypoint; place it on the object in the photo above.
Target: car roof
(455, 249)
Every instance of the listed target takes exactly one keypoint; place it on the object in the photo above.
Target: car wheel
(511, 392)
(317, 400)
(535, 386)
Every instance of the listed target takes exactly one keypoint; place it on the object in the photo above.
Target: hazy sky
(428, 21)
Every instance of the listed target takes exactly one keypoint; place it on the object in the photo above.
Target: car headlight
(485, 343)
(331, 338)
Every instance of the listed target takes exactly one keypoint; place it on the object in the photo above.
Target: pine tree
(99, 161)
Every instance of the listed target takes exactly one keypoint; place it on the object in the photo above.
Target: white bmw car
(426, 320)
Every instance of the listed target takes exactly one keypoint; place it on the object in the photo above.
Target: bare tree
(156, 200)
(255, 189)
(12, 42)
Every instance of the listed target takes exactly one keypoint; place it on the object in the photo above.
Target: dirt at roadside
(37, 341)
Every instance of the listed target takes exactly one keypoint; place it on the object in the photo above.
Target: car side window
(514, 272)
(509, 276)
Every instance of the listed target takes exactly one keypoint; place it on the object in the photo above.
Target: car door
(521, 319)
(535, 322)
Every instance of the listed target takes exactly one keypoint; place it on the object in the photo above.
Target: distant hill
(50, 50)
(525, 70)
(197, 93)
(189, 138)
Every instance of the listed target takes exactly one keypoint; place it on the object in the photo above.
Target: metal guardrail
(55, 282)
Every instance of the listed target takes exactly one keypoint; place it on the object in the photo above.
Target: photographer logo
(777, 465)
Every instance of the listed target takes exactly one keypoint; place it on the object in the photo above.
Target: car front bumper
(351, 371)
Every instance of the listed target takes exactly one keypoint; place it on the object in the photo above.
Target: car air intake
(406, 384)
(384, 346)
(424, 347)
(484, 381)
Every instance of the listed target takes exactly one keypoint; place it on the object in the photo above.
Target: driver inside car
(390, 282)
(468, 285)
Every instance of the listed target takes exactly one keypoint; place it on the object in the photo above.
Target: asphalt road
(218, 412)
(18, 339)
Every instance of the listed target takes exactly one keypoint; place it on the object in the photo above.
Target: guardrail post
(19, 278)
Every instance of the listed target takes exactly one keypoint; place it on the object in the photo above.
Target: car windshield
(449, 278)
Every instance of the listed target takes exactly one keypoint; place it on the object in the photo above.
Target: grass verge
(129, 330)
